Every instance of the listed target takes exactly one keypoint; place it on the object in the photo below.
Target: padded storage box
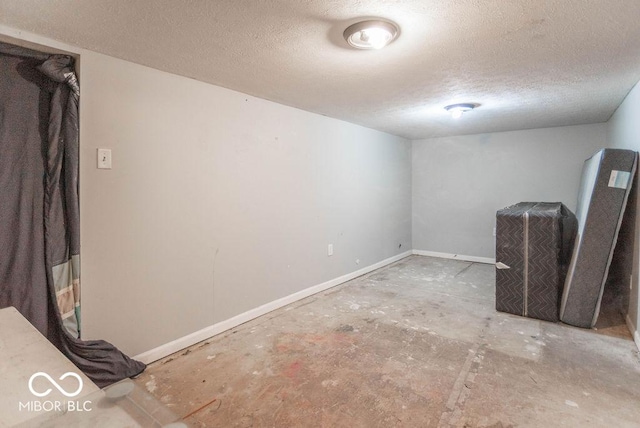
(533, 248)
(606, 181)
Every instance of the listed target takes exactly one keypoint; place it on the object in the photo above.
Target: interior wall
(219, 202)
(460, 182)
(623, 132)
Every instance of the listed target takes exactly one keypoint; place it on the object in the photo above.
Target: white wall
(460, 182)
(219, 202)
(624, 133)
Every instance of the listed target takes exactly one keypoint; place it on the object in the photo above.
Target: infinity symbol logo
(54, 383)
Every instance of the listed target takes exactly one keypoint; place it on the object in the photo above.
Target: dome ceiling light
(457, 110)
(371, 34)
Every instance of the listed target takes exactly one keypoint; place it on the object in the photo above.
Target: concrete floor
(415, 344)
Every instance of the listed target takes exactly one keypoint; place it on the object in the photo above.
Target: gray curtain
(39, 207)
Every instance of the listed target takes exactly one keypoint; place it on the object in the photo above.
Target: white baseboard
(634, 332)
(455, 257)
(191, 339)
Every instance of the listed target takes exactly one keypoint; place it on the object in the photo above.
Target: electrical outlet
(330, 250)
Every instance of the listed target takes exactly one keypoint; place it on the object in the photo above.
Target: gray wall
(624, 133)
(219, 202)
(460, 182)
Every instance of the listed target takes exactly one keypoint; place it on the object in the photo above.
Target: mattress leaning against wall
(533, 248)
(604, 189)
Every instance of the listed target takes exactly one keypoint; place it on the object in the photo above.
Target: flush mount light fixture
(457, 110)
(371, 34)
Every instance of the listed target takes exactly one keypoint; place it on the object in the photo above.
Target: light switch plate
(104, 158)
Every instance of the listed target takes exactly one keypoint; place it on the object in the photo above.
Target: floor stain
(432, 352)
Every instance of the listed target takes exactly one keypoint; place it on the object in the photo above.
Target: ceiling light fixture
(371, 34)
(457, 110)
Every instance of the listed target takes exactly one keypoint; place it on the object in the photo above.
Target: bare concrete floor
(415, 344)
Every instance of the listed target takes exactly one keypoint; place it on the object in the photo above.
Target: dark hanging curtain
(39, 207)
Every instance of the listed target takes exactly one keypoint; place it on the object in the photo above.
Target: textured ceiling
(530, 63)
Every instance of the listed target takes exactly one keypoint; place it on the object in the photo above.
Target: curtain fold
(39, 207)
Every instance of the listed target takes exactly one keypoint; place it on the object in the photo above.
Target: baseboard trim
(634, 332)
(162, 351)
(455, 257)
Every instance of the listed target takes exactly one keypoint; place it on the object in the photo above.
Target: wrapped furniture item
(533, 249)
(606, 182)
